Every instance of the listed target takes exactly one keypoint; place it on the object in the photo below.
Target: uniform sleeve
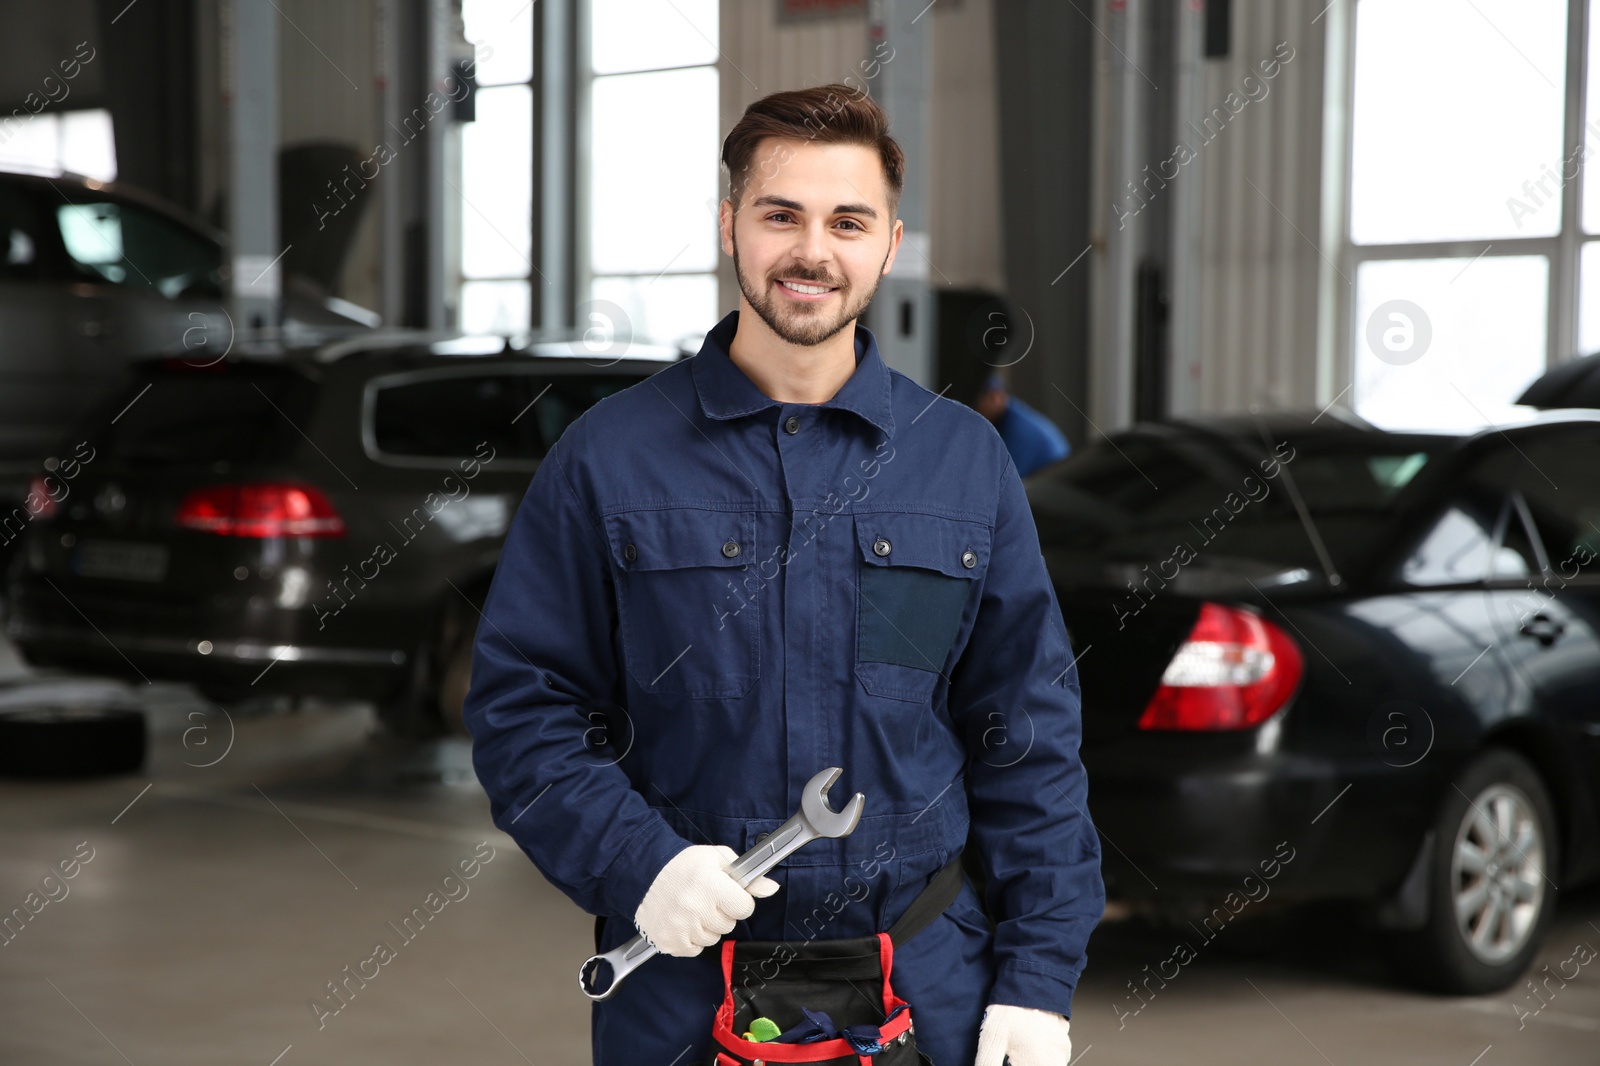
(543, 665)
(1014, 696)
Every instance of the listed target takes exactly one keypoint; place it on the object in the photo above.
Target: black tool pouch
(847, 979)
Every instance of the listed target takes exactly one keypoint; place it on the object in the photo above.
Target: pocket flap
(929, 541)
(671, 538)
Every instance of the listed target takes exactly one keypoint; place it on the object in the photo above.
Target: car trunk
(113, 546)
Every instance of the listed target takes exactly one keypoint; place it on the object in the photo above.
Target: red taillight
(39, 496)
(1235, 670)
(261, 509)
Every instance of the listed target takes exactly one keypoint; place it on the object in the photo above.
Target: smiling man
(773, 558)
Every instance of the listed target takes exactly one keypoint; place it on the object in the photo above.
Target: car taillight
(260, 509)
(1235, 670)
(40, 495)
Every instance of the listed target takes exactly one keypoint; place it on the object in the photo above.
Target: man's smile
(803, 290)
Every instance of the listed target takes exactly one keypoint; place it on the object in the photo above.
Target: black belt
(931, 902)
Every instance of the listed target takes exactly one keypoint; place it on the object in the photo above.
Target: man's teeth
(809, 290)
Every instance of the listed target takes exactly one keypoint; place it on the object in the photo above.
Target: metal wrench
(814, 820)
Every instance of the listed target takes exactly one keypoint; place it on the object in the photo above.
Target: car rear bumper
(1175, 825)
(241, 665)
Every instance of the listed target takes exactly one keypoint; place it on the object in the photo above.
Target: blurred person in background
(1031, 438)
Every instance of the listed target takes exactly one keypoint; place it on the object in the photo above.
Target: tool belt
(826, 994)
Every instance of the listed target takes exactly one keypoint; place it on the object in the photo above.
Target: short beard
(803, 328)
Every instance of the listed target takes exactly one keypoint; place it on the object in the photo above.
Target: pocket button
(880, 547)
(969, 558)
(731, 548)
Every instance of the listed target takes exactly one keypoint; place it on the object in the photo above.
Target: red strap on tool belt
(822, 976)
(818, 1050)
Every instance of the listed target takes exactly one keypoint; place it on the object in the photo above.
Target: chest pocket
(915, 580)
(688, 626)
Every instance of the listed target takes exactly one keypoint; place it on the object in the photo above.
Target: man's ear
(894, 245)
(725, 225)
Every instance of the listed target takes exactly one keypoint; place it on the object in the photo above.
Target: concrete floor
(220, 898)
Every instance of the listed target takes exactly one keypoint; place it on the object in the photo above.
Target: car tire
(429, 704)
(1491, 893)
(76, 741)
(409, 713)
(455, 670)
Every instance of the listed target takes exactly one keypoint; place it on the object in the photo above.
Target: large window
(652, 179)
(79, 142)
(1470, 231)
(645, 180)
(497, 253)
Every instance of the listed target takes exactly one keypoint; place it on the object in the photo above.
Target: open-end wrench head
(824, 819)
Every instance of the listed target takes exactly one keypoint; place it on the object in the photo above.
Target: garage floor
(229, 883)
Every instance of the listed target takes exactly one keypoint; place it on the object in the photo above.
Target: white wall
(1247, 250)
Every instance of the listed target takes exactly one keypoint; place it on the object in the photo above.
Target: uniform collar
(726, 392)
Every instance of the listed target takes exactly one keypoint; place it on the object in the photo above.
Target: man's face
(812, 237)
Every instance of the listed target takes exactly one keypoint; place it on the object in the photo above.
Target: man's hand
(693, 901)
(1030, 1037)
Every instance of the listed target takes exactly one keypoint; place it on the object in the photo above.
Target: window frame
(533, 275)
(1562, 251)
(584, 77)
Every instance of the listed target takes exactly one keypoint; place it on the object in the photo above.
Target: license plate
(120, 560)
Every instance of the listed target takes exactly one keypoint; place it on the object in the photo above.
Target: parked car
(93, 274)
(1328, 662)
(325, 523)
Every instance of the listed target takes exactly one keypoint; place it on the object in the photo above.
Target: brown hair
(823, 114)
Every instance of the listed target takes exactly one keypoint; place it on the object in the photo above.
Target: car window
(447, 417)
(1481, 535)
(450, 417)
(1455, 550)
(1150, 494)
(128, 245)
(190, 417)
(1516, 544)
(561, 400)
(1558, 476)
(20, 237)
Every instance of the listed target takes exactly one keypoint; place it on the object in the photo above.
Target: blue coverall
(707, 596)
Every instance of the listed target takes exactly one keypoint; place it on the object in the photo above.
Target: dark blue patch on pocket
(908, 615)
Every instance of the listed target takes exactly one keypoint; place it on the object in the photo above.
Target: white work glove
(694, 901)
(1030, 1037)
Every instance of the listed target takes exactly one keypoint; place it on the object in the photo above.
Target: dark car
(322, 523)
(94, 273)
(1323, 661)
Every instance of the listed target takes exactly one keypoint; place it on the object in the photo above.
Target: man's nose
(811, 248)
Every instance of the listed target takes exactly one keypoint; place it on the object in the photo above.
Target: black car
(326, 522)
(1323, 661)
(95, 273)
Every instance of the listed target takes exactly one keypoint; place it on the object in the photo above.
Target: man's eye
(852, 223)
(778, 216)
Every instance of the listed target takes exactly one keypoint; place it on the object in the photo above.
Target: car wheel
(410, 712)
(455, 675)
(1491, 895)
(429, 704)
(71, 741)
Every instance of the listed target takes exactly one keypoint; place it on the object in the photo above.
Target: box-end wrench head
(600, 975)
